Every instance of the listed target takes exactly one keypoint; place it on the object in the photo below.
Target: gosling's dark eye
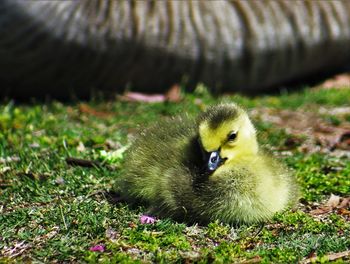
(214, 159)
(232, 136)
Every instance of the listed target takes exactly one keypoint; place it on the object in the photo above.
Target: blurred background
(80, 48)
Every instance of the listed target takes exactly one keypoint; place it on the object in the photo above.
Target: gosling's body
(166, 168)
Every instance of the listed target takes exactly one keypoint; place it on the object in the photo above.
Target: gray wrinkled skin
(56, 46)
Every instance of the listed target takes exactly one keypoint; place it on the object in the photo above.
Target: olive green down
(56, 47)
(166, 169)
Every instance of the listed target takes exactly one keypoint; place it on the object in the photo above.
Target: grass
(53, 212)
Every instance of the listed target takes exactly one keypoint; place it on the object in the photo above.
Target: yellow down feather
(206, 169)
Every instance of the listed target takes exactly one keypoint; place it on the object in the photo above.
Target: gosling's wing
(156, 150)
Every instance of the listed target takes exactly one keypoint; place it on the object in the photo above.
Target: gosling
(207, 169)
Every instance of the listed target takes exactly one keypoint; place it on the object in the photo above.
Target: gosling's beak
(214, 160)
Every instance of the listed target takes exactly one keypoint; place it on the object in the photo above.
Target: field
(55, 208)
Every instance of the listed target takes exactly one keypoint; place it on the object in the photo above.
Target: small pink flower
(98, 248)
(145, 219)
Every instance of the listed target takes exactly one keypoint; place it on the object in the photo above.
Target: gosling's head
(226, 135)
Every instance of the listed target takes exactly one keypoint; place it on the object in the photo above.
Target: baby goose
(207, 170)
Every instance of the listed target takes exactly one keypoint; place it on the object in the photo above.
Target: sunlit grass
(51, 211)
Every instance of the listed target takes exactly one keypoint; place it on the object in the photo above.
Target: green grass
(53, 212)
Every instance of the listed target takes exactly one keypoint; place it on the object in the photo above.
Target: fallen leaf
(345, 203)
(60, 181)
(137, 253)
(16, 250)
(312, 254)
(34, 145)
(343, 141)
(145, 219)
(256, 259)
(132, 225)
(174, 94)
(333, 201)
(321, 211)
(140, 97)
(97, 248)
(339, 81)
(343, 211)
(81, 147)
(111, 234)
(9, 159)
(329, 257)
(86, 109)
